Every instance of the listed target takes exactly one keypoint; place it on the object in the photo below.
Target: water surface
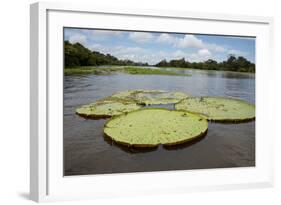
(86, 151)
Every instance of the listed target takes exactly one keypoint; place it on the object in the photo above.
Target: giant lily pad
(218, 108)
(154, 126)
(107, 107)
(151, 97)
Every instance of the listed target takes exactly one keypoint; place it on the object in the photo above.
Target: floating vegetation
(219, 109)
(152, 127)
(147, 128)
(137, 70)
(151, 97)
(107, 107)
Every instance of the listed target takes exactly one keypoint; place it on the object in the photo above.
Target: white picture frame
(47, 182)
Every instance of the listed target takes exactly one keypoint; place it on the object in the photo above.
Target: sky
(152, 47)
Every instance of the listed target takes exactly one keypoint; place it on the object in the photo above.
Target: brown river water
(87, 151)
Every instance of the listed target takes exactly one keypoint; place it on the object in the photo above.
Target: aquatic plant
(151, 97)
(153, 126)
(218, 108)
(107, 107)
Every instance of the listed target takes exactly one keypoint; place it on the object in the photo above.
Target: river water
(86, 151)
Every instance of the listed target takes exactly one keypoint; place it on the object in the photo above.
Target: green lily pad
(219, 108)
(151, 97)
(107, 107)
(154, 126)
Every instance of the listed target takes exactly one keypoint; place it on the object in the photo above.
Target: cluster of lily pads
(134, 123)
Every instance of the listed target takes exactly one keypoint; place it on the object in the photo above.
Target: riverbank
(228, 71)
(133, 70)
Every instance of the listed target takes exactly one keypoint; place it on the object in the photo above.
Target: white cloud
(179, 54)
(200, 55)
(165, 38)
(136, 54)
(204, 52)
(189, 41)
(78, 38)
(139, 54)
(141, 37)
(215, 47)
(237, 52)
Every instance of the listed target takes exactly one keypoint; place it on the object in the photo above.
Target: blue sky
(153, 47)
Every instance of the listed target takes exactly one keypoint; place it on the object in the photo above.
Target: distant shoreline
(229, 71)
(78, 55)
(133, 70)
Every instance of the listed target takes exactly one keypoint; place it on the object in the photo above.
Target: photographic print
(139, 101)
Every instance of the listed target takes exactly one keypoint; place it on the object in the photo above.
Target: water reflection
(129, 149)
(186, 144)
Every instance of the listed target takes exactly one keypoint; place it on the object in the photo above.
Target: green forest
(233, 63)
(77, 55)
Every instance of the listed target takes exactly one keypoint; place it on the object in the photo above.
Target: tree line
(232, 63)
(77, 55)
